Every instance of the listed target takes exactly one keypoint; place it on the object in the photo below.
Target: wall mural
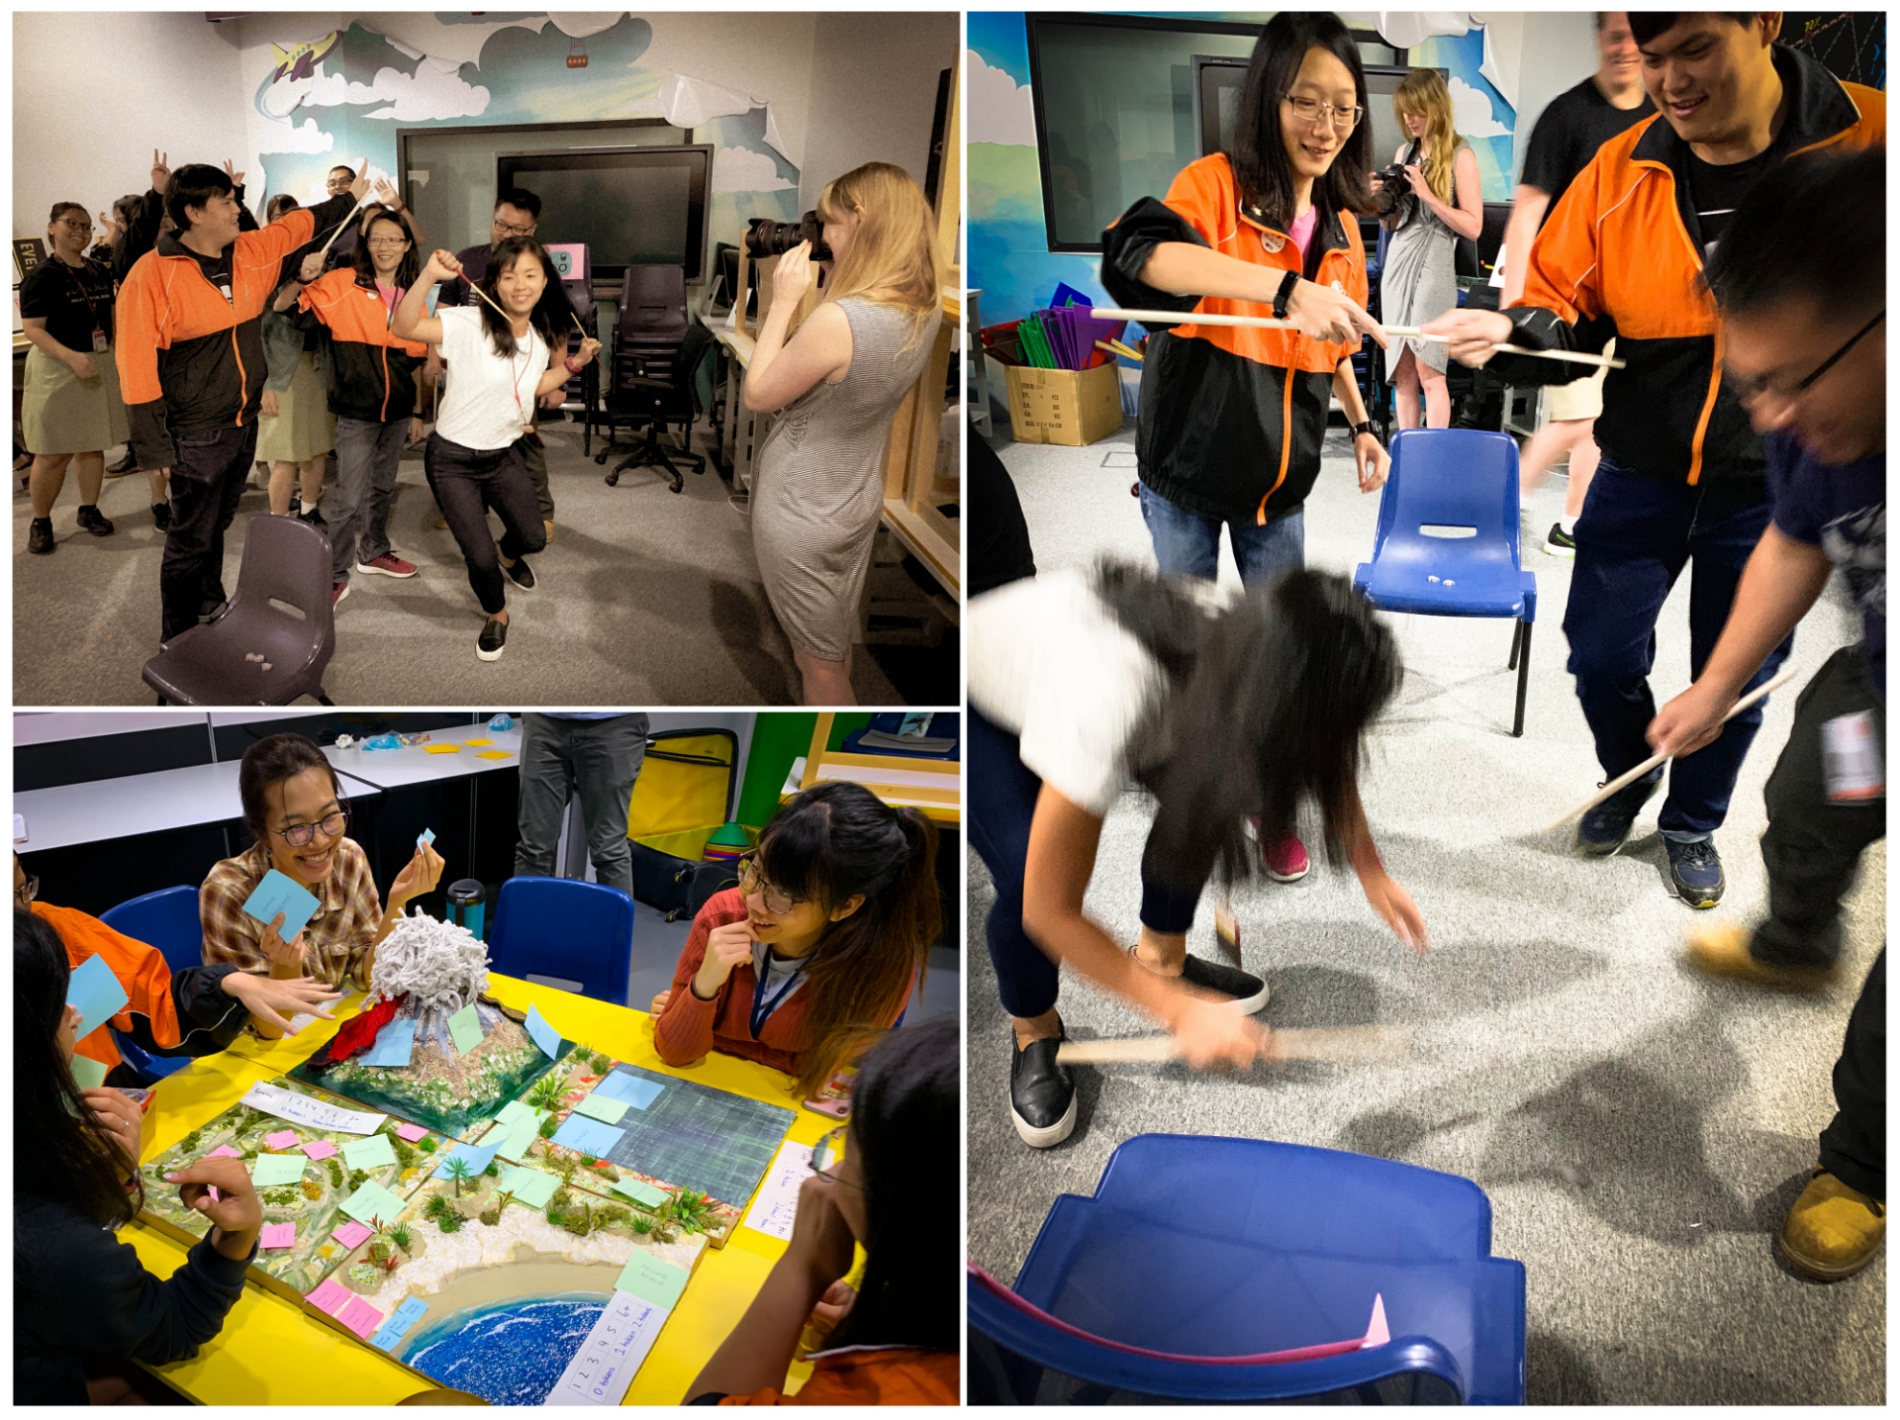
(341, 96)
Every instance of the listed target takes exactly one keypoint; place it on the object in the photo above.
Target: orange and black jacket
(372, 373)
(188, 358)
(1232, 417)
(1621, 256)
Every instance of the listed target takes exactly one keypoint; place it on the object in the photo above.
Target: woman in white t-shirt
(1083, 681)
(498, 367)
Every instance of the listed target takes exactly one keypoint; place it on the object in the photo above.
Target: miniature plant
(399, 1235)
(546, 1093)
(426, 1143)
(493, 1170)
(491, 1215)
(555, 1211)
(358, 1177)
(405, 1156)
(335, 1166)
(642, 1224)
(580, 1224)
(588, 1161)
(450, 1221)
(437, 1206)
(612, 1215)
(459, 1171)
(379, 1250)
(601, 1063)
(606, 1170)
(691, 1211)
(549, 1127)
(190, 1141)
(312, 1190)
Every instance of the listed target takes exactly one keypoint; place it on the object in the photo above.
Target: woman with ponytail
(814, 954)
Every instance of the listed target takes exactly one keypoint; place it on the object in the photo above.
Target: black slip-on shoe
(1041, 1093)
(493, 640)
(1249, 992)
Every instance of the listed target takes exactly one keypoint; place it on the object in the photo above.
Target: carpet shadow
(1558, 1373)
(744, 633)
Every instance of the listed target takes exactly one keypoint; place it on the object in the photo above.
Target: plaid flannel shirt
(348, 913)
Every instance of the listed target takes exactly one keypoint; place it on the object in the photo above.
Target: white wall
(92, 93)
(873, 93)
(1560, 52)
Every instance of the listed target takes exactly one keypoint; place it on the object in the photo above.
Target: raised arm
(411, 320)
(783, 370)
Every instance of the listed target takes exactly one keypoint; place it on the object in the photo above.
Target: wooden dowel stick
(1351, 1043)
(341, 225)
(1403, 332)
(1623, 781)
(1115, 347)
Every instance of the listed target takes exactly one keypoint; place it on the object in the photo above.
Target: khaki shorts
(1581, 399)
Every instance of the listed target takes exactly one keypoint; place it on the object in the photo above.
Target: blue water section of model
(510, 1352)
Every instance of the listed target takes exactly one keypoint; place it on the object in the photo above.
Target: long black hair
(1261, 170)
(407, 270)
(551, 315)
(906, 1119)
(74, 1159)
(830, 843)
(1267, 705)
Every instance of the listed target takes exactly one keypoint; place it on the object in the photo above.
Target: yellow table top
(270, 1349)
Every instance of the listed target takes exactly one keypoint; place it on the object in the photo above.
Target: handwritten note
(543, 1034)
(359, 1316)
(775, 1205)
(371, 1153)
(604, 1366)
(651, 1280)
(277, 893)
(634, 1090)
(328, 1297)
(277, 1235)
(352, 1235)
(276, 1170)
(282, 1139)
(302, 1109)
(373, 1201)
(400, 1320)
(608, 1111)
(642, 1193)
(529, 1187)
(411, 1132)
(588, 1136)
(319, 1149)
(95, 993)
(395, 1044)
(90, 1074)
(465, 1029)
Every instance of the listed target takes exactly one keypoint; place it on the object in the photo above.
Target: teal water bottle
(467, 903)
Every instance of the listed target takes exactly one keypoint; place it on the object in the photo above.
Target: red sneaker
(338, 592)
(389, 565)
(1286, 860)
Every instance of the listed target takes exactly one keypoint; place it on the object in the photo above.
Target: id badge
(1851, 759)
(98, 340)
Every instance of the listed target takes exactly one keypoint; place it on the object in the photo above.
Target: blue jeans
(1634, 538)
(1188, 544)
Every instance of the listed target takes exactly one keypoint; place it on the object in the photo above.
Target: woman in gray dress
(1419, 282)
(819, 487)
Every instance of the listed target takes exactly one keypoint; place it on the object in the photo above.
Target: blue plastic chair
(565, 929)
(1463, 484)
(166, 919)
(1220, 1248)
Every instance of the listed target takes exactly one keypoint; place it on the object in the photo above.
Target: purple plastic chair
(274, 640)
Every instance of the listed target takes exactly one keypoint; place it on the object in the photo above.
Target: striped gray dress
(1419, 282)
(819, 486)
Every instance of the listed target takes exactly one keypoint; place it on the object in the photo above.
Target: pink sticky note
(276, 1235)
(224, 1151)
(331, 1295)
(411, 1132)
(282, 1139)
(322, 1149)
(352, 1234)
(359, 1316)
(212, 1190)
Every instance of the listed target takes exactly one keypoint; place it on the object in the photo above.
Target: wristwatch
(1364, 426)
(1284, 294)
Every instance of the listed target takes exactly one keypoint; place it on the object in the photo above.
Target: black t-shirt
(1568, 133)
(70, 299)
(1718, 191)
(999, 535)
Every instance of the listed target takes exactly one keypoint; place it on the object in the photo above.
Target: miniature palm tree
(460, 1171)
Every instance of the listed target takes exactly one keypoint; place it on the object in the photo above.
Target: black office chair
(656, 350)
(582, 389)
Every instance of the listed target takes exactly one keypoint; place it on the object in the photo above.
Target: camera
(1395, 197)
(764, 237)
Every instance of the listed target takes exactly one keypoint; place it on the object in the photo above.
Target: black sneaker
(1696, 870)
(521, 574)
(313, 515)
(209, 612)
(1249, 992)
(162, 516)
(1560, 543)
(128, 463)
(39, 537)
(93, 521)
(1041, 1093)
(1605, 828)
(494, 640)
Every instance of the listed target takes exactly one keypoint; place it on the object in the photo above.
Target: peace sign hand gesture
(161, 172)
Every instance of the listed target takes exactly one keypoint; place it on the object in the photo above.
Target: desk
(144, 803)
(740, 438)
(413, 764)
(272, 1353)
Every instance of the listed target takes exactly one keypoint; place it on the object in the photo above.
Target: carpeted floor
(1640, 1130)
(644, 598)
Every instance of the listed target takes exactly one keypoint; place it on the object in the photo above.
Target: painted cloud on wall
(432, 92)
(997, 109)
(1471, 112)
(745, 170)
(299, 138)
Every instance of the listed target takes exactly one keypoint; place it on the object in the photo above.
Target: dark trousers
(599, 760)
(467, 483)
(534, 454)
(1813, 845)
(1854, 1146)
(1634, 538)
(1003, 794)
(208, 477)
(368, 458)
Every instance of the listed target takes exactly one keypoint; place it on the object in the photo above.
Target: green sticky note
(518, 1141)
(88, 1074)
(533, 1189)
(642, 1193)
(373, 1152)
(465, 1029)
(605, 1110)
(515, 1113)
(651, 1280)
(275, 1170)
(373, 1201)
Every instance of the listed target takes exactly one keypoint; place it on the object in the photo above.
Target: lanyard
(763, 1005)
(72, 275)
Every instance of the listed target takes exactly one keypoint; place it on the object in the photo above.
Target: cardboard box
(1074, 407)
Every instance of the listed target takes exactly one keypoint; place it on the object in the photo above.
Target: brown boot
(1721, 949)
(1832, 1231)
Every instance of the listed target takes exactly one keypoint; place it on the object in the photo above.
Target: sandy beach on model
(519, 1282)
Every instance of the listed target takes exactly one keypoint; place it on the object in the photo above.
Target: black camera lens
(764, 237)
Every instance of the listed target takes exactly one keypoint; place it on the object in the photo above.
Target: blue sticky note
(276, 894)
(588, 1136)
(477, 1156)
(400, 1320)
(543, 1034)
(395, 1043)
(634, 1091)
(427, 836)
(95, 992)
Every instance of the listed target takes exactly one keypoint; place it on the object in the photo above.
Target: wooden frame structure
(933, 786)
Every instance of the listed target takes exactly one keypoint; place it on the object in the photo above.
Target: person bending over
(818, 947)
(294, 807)
(1080, 681)
(85, 1309)
(1801, 282)
(818, 492)
(505, 352)
(215, 1001)
(888, 1181)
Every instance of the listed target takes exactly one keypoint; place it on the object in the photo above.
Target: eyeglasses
(388, 241)
(827, 1156)
(751, 880)
(1312, 110)
(78, 224)
(299, 834)
(339, 184)
(27, 891)
(508, 231)
(1748, 391)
